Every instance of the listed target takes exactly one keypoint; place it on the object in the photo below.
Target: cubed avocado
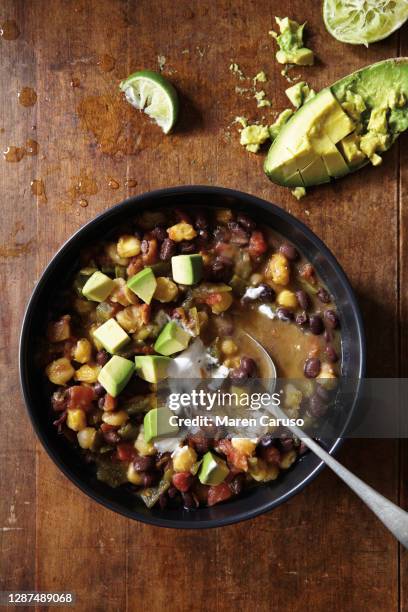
(315, 173)
(143, 284)
(331, 156)
(213, 470)
(116, 374)
(157, 424)
(350, 147)
(152, 368)
(172, 339)
(187, 269)
(111, 336)
(97, 287)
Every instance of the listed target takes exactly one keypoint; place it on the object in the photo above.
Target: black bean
(317, 406)
(99, 390)
(101, 402)
(312, 367)
(237, 484)
(163, 499)
(143, 464)
(322, 392)
(246, 222)
(167, 249)
(284, 314)
(289, 251)
(186, 247)
(331, 354)
(302, 319)
(286, 442)
(111, 437)
(203, 235)
(316, 324)
(267, 440)
(249, 365)
(323, 295)
(268, 294)
(190, 502)
(150, 478)
(303, 299)
(237, 234)
(270, 454)
(201, 221)
(102, 357)
(331, 319)
(221, 269)
(172, 492)
(159, 233)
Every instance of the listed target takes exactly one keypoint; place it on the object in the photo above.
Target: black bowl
(257, 500)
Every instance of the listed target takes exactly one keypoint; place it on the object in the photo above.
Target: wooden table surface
(322, 550)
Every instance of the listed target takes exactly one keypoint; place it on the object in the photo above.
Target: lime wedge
(151, 92)
(360, 22)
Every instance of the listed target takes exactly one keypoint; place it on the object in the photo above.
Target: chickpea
(112, 253)
(117, 419)
(184, 459)
(278, 269)
(128, 246)
(228, 347)
(60, 371)
(287, 299)
(181, 231)
(76, 419)
(166, 290)
(86, 437)
(223, 304)
(82, 351)
(244, 445)
(88, 373)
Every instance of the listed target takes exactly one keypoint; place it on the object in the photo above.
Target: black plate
(257, 500)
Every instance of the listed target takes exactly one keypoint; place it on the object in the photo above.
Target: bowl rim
(245, 199)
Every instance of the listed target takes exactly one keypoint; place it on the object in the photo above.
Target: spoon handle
(393, 517)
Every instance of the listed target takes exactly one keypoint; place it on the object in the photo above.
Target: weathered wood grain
(322, 550)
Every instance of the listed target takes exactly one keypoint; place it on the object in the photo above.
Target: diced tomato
(80, 396)
(182, 481)
(110, 403)
(257, 244)
(125, 451)
(218, 494)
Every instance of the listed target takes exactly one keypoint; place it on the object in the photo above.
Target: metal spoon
(393, 517)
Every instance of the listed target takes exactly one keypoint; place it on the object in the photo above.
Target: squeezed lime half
(152, 93)
(360, 22)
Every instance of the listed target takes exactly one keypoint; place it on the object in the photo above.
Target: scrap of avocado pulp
(290, 41)
(343, 127)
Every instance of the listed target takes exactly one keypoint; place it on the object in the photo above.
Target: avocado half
(320, 141)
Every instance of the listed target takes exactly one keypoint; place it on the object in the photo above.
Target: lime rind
(361, 22)
(150, 92)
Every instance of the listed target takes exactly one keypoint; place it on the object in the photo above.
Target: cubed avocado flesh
(322, 130)
(172, 339)
(157, 424)
(187, 269)
(97, 287)
(152, 368)
(111, 335)
(213, 470)
(143, 284)
(116, 374)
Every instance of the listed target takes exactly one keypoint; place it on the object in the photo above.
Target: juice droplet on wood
(106, 63)
(83, 203)
(38, 189)
(131, 183)
(113, 184)
(27, 96)
(14, 154)
(9, 30)
(75, 82)
(31, 147)
(83, 185)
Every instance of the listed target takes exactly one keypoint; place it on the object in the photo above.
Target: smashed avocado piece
(300, 93)
(260, 97)
(290, 42)
(276, 127)
(253, 136)
(299, 192)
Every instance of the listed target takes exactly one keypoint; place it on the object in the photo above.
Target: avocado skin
(374, 83)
